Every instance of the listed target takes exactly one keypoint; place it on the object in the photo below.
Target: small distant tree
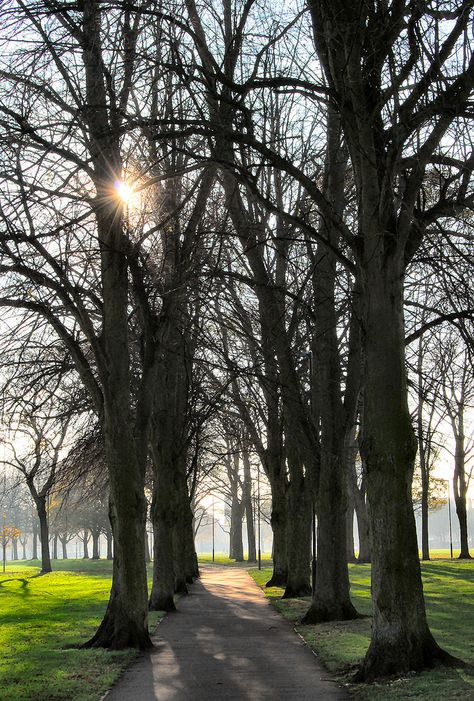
(8, 534)
(43, 435)
(436, 493)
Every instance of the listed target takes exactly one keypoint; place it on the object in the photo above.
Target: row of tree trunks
(331, 598)
(300, 438)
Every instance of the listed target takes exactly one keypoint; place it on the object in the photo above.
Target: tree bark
(147, 549)
(363, 526)
(64, 547)
(109, 539)
(95, 532)
(85, 544)
(460, 486)
(236, 545)
(163, 518)
(298, 525)
(44, 534)
(278, 519)
(125, 623)
(247, 504)
(350, 550)
(331, 598)
(401, 639)
(34, 554)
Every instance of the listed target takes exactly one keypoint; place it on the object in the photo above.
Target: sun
(124, 191)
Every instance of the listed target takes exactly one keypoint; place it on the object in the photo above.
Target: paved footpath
(226, 643)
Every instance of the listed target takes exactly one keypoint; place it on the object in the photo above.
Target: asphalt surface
(226, 643)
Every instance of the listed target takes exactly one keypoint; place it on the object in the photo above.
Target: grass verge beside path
(449, 595)
(40, 617)
(224, 559)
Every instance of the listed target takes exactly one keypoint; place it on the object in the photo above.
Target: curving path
(226, 644)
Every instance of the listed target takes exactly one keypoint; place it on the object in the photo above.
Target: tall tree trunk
(95, 532)
(401, 639)
(109, 539)
(55, 546)
(331, 598)
(34, 554)
(44, 534)
(298, 529)
(15, 549)
(125, 623)
(274, 463)
(424, 468)
(23, 545)
(147, 549)
(191, 569)
(85, 543)
(278, 520)
(425, 540)
(247, 504)
(460, 487)
(350, 550)
(180, 543)
(236, 545)
(64, 547)
(363, 525)
(163, 518)
(357, 497)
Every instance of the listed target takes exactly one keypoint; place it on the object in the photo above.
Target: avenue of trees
(239, 233)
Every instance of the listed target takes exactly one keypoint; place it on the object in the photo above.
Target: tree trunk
(15, 549)
(363, 525)
(298, 526)
(109, 539)
(23, 545)
(275, 470)
(163, 518)
(401, 640)
(34, 554)
(44, 534)
(236, 545)
(331, 598)
(424, 468)
(460, 487)
(357, 496)
(125, 623)
(95, 543)
(278, 519)
(180, 542)
(425, 541)
(64, 547)
(85, 543)
(147, 549)
(247, 503)
(351, 556)
(191, 561)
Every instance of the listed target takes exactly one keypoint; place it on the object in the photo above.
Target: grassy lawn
(40, 617)
(449, 594)
(224, 559)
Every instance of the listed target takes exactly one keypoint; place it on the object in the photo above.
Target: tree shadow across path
(226, 642)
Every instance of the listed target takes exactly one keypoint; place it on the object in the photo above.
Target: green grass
(42, 618)
(449, 589)
(224, 559)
